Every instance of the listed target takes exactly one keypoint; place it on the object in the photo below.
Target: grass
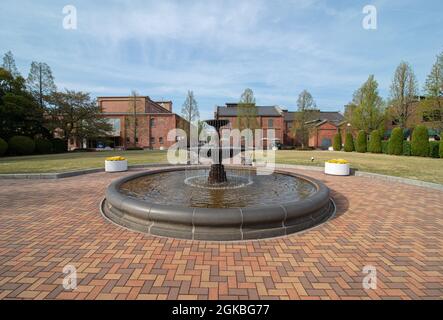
(74, 161)
(426, 169)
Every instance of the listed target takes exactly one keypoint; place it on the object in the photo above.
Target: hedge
(396, 142)
(406, 148)
(3, 147)
(349, 142)
(375, 145)
(21, 145)
(441, 148)
(385, 146)
(337, 142)
(59, 146)
(43, 146)
(361, 142)
(420, 141)
(434, 149)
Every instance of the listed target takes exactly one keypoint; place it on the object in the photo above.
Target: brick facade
(154, 121)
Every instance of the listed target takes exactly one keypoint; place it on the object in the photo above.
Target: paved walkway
(46, 225)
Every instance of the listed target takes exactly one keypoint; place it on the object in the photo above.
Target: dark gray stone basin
(222, 224)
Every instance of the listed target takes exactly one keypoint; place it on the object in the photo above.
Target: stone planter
(116, 166)
(337, 169)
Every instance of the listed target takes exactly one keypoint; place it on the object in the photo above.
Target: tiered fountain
(210, 205)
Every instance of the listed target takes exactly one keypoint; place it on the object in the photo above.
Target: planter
(337, 169)
(116, 166)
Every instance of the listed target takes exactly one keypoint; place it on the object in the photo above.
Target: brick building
(154, 120)
(322, 125)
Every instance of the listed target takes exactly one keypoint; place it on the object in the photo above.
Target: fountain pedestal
(217, 172)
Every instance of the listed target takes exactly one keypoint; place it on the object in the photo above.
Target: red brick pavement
(46, 225)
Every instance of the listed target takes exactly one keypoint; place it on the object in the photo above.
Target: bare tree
(306, 106)
(247, 97)
(131, 121)
(40, 81)
(190, 108)
(404, 92)
(9, 64)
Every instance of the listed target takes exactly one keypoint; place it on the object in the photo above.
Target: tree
(20, 114)
(432, 107)
(77, 115)
(395, 145)
(247, 111)
(420, 141)
(375, 142)
(361, 142)
(305, 106)
(41, 82)
(9, 64)
(404, 92)
(132, 121)
(337, 142)
(368, 113)
(190, 108)
(247, 97)
(349, 142)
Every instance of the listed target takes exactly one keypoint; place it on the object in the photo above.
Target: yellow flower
(117, 158)
(338, 161)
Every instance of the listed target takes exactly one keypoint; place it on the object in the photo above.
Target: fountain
(217, 203)
(217, 172)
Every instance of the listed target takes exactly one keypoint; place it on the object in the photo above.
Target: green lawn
(75, 161)
(426, 169)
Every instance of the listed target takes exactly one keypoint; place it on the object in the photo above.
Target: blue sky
(219, 48)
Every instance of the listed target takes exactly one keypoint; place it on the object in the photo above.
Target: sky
(218, 48)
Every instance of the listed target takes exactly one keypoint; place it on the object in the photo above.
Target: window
(115, 125)
(430, 116)
(271, 123)
(152, 140)
(152, 122)
(160, 140)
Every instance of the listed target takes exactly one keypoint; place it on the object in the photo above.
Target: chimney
(166, 104)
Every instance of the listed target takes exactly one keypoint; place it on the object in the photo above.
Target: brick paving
(46, 225)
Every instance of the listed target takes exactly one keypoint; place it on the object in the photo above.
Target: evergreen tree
(41, 82)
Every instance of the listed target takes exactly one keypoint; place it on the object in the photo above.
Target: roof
(332, 116)
(264, 111)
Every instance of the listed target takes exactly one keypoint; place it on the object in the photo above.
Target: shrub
(43, 146)
(59, 146)
(434, 149)
(337, 142)
(349, 142)
(406, 148)
(396, 142)
(375, 142)
(21, 145)
(420, 142)
(385, 146)
(3, 147)
(441, 148)
(361, 142)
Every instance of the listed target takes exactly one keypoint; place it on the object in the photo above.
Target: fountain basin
(212, 219)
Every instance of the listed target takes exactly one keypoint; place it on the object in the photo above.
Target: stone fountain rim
(216, 223)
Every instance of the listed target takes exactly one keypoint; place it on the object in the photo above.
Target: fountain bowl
(185, 221)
